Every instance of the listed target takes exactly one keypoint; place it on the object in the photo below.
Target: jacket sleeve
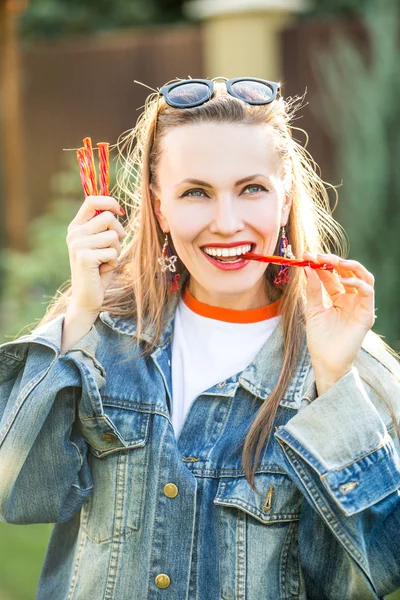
(343, 453)
(44, 471)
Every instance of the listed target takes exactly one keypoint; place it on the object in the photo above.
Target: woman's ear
(286, 209)
(157, 210)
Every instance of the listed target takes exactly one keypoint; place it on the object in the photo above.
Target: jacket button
(170, 490)
(109, 437)
(162, 580)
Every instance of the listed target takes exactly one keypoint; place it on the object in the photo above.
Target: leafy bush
(31, 279)
(358, 105)
(45, 19)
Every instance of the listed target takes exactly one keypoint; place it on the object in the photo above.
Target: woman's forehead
(210, 147)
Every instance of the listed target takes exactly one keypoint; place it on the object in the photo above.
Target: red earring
(168, 264)
(285, 249)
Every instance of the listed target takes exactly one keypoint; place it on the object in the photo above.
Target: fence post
(242, 37)
(15, 203)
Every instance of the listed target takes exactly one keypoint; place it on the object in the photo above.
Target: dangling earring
(169, 263)
(285, 250)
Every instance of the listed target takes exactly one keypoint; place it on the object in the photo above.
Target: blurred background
(67, 70)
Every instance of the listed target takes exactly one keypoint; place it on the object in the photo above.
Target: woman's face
(219, 208)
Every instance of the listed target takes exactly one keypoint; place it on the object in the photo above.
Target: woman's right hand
(94, 247)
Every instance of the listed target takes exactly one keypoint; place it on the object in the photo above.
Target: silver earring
(286, 247)
(167, 262)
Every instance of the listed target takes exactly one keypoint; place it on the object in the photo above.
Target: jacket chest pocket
(258, 545)
(118, 459)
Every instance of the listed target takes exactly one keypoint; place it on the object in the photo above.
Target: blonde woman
(199, 426)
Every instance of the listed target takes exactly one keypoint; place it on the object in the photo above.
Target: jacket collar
(255, 378)
(128, 326)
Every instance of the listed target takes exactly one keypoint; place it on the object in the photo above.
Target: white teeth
(228, 251)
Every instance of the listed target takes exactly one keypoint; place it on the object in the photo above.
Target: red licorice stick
(87, 142)
(84, 172)
(88, 172)
(291, 262)
(104, 154)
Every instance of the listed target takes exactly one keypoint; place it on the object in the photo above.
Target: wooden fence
(85, 87)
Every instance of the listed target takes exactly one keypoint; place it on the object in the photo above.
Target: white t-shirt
(209, 345)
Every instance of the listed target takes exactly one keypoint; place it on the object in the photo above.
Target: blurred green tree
(358, 105)
(31, 279)
(321, 9)
(55, 18)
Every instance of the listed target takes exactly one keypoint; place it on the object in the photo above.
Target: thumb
(313, 289)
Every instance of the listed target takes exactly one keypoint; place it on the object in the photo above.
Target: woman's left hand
(340, 311)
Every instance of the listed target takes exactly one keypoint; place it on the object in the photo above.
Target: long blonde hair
(136, 293)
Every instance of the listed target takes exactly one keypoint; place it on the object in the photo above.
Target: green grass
(22, 551)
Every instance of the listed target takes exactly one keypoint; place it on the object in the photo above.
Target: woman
(197, 429)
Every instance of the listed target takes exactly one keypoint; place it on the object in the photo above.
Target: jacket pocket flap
(279, 500)
(117, 429)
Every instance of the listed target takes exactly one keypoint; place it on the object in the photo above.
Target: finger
(106, 239)
(358, 269)
(331, 259)
(348, 268)
(331, 281)
(103, 222)
(314, 289)
(353, 282)
(334, 260)
(92, 203)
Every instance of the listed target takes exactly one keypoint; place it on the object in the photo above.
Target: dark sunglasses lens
(253, 91)
(189, 93)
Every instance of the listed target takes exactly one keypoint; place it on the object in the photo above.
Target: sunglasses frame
(275, 86)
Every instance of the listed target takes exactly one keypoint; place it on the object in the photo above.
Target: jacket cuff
(343, 438)
(50, 335)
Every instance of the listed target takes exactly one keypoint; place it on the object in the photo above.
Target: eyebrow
(205, 184)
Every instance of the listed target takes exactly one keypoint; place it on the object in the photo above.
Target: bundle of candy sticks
(87, 170)
(88, 179)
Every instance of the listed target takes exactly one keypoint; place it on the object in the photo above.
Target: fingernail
(122, 211)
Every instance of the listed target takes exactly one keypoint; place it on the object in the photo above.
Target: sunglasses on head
(193, 92)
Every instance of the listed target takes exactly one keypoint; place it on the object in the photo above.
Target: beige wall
(241, 44)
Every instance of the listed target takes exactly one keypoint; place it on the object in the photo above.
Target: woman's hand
(94, 247)
(340, 311)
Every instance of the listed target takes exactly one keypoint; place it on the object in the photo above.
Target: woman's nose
(227, 217)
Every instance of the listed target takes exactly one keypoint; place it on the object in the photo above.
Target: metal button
(109, 437)
(221, 385)
(345, 488)
(162, 580)
(170, 490)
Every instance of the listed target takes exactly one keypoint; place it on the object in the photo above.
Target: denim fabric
(86, 442)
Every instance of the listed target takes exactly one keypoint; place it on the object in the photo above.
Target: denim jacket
(86, 442)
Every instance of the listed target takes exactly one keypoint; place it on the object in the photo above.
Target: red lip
(231, 245)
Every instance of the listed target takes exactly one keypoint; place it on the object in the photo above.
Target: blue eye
(189, 192)
(257, 185)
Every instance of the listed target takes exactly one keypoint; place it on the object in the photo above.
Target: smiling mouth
(229, 259)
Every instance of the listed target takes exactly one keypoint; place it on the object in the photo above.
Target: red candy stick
(87, 169)
(104, 154)
(292, 262)
(84, 172)
(87, 142)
